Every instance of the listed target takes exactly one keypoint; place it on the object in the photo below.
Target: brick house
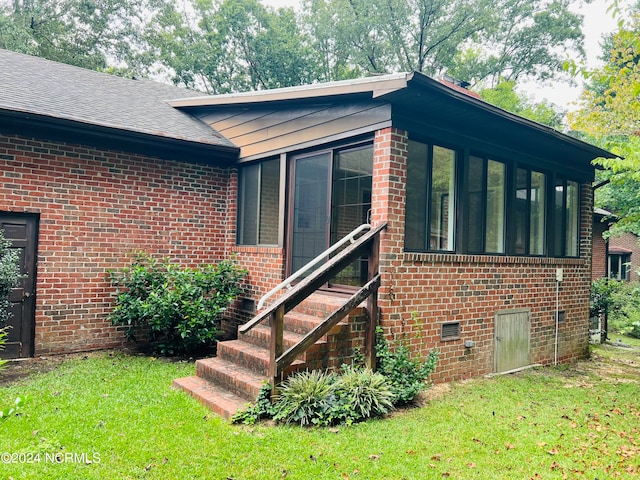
(617, 256)
(487, 216)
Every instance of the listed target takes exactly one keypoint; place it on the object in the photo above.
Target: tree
(231, 46)
(504, 95)
(86, 33)
(480, 41)
(610, 116)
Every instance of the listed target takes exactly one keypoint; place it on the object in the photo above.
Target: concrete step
(217, 399)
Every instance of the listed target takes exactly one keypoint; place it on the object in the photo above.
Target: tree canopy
(610, 116)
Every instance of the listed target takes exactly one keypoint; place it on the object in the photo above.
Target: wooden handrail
(287, 358)
(279, 360)
(316, 279)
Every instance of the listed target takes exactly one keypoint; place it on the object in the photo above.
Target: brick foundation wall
(419, 292)
(95, 208)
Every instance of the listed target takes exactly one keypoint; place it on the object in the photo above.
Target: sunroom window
(485, 204)
(530, 212)
(259, 203)
(503, 207)
(430, 211)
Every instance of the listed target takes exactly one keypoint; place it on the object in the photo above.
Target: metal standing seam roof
(33, 85)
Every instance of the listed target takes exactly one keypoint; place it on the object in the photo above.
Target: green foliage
(609, 116)
(504, 95)
(179, 307)
(78, 32)
(7, 412)
(261, 409)
(624, 306)
(601, 300)
(321, 399)
(635, 330)
(407, 375)
(367, 393)
(306, 398)
(9, 275)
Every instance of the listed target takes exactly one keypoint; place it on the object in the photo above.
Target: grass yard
(112, 416)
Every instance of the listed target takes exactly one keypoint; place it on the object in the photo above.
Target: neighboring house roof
(619, 250)
(413, 98)
(38, 93)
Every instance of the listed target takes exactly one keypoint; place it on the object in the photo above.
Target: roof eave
(111, 138)
(375, 86)
(425, 81)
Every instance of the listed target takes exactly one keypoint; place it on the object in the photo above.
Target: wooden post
(275, 350)
(372, 307)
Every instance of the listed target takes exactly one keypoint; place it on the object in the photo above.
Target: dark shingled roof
(33, 85)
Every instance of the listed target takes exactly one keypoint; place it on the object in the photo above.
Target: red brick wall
(96, 207)
(599, 254)
(629, 241)
(421, 291)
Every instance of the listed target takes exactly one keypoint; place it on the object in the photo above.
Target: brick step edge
(220, 401)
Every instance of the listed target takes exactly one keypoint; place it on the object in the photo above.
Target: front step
(226, 383)
(217, 399)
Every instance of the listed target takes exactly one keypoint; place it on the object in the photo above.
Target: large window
(430, 215)
(530, 212)
(566, 218)
(485, 204)
(470, 203)
(259, 203)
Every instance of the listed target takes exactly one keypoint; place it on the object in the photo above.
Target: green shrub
(261, 409)
(364, 393)
(407, 376)
(178, 307)
(601, 299)
(635, 330)
(9, 276)
(624, 306)
(306, 398)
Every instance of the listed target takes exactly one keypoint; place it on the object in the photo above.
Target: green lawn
(119, 412)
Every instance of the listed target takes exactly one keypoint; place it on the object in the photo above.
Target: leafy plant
(407, 375)
(261, 409)
(6, 413)
(366, 393)
(306, 398)
(635, 330)
(178, 307)
(9, 275)
(601, 299)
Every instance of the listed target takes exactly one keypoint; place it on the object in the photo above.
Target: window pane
(415, 227)
(311, 212)
(521, 214)
(572, 211)
(495, 207)
(269, 203)
(259, 204)
(475, 181)
(442, 212)
(248, 205)
(536, 228)
(558, 221)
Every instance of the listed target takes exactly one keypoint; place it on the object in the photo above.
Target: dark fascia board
(109, 138)
(423, 81)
